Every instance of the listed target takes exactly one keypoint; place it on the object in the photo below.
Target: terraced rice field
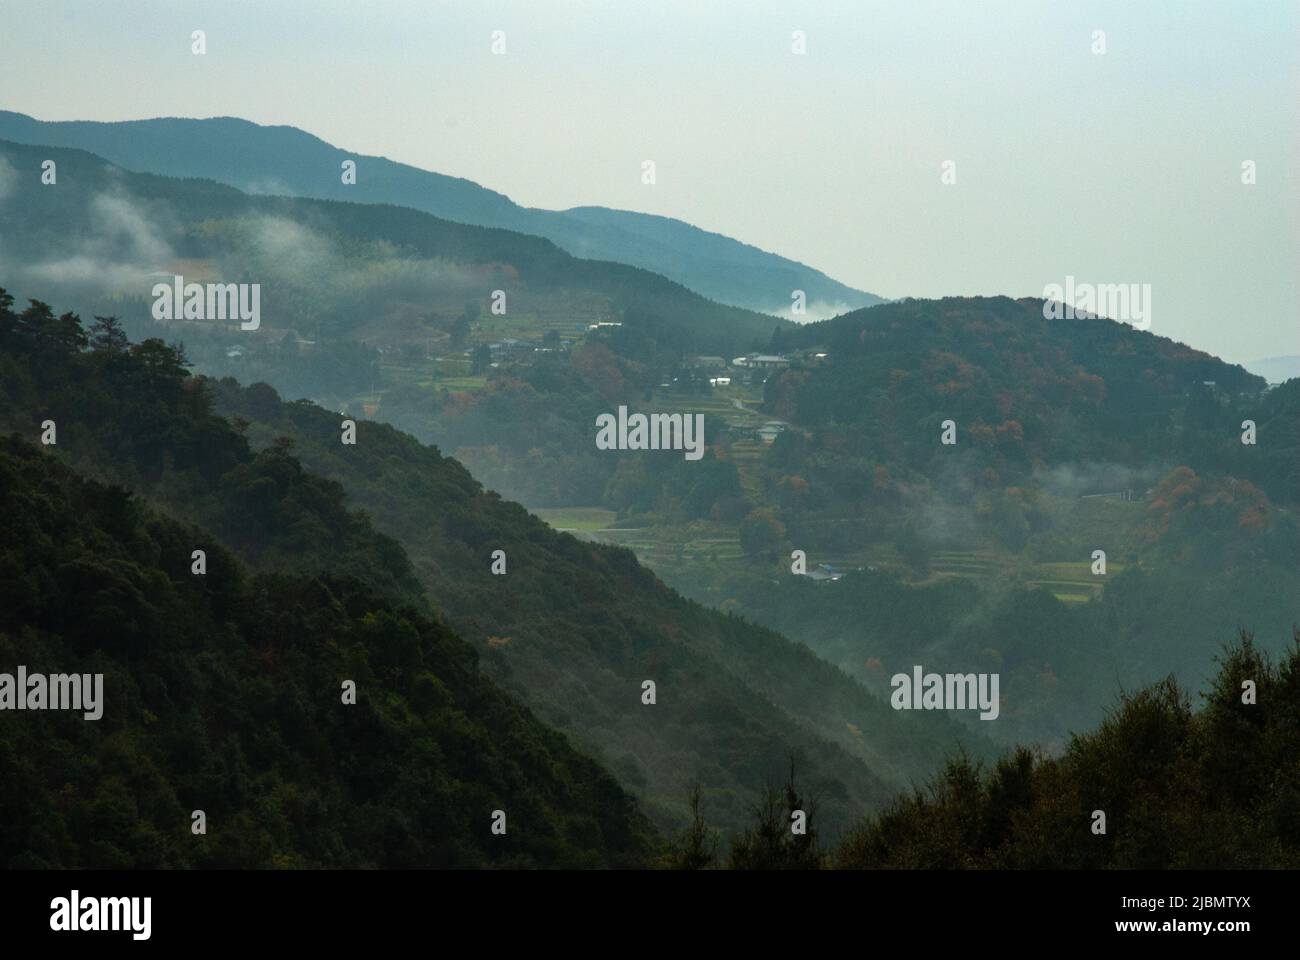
(1070, 582)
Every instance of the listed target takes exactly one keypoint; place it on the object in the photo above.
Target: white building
(762, 361)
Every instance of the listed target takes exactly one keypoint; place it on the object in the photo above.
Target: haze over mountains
(346, 274)
(1073, 435)
(570, 629)
(1275, 369)
(286, 160)
(328, 268)
(224, 685)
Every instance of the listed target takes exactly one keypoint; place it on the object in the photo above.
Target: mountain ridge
(329, 257)
(293, 161)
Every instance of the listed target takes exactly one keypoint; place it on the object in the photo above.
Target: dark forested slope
(573, 629)
(222, 693)
(1156, 786)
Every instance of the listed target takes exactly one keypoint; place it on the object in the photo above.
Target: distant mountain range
(286, 160)
(1275, 369)
(369, 271)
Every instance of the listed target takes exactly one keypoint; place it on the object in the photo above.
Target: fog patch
(1084, 479)
(307, 257)
(267, 187)
(814, 310)
(120, 246)
(122, 224)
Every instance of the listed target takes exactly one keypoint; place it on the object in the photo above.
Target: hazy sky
(1120, 167)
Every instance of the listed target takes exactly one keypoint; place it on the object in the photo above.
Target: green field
(580, 519)
(709, 551)
(463, 383)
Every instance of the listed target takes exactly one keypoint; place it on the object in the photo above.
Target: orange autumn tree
(1184, 504)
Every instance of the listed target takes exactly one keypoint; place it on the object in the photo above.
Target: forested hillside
(223, 693)
(328, 270)
(1026, 394)
(572, 629)
(1060, 662)
(1157, 786)
(1162, 783)
(1069, 437)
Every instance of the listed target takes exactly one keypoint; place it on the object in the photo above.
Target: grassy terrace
(710, 551)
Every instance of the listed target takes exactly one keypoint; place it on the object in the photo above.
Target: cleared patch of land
(579, 519)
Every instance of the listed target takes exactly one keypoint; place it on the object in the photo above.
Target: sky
(1122, 166)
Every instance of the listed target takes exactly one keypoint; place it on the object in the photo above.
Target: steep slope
(285, 160)
(222, 693)
(573, 629)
